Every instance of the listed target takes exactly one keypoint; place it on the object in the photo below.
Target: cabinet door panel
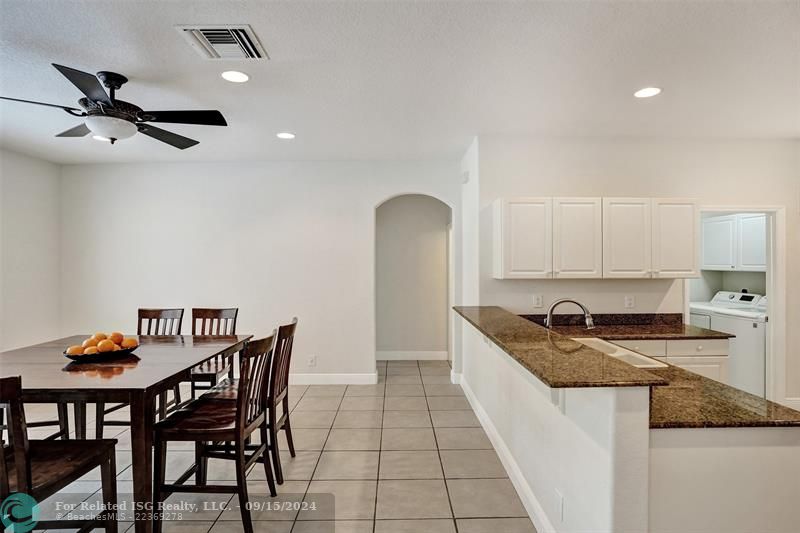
(525, 238)
(752, 243)
(627, 238)
(715, 368)
(675, 242)
(577, 238)
(719, 243)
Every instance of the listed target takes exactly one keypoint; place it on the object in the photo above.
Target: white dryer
(745, 316)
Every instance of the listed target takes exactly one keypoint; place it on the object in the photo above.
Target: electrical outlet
(312, 361)
(537, 300)
(630, 302)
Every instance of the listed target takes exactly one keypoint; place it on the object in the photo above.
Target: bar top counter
(678, 399)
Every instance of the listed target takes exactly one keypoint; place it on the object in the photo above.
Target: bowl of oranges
(101, 347)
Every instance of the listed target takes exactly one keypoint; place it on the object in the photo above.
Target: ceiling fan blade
(65, 108)
(178, 141)
(87, 83)
(78, 131)
(205, 117)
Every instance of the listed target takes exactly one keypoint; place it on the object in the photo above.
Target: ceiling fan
(111, 120)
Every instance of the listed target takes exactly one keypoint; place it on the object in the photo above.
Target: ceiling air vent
(224, 41)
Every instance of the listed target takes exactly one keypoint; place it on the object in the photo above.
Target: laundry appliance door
(747, 352)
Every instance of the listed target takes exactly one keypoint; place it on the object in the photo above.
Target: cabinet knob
(700, 348)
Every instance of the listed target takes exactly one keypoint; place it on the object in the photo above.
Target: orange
(116, 337)
(105, 345)
(91, 341)
(129, 343)
(100, 336)
(116, 348)
(75, 350)
(90, 350)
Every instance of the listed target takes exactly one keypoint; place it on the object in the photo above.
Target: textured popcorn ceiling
(374, 80)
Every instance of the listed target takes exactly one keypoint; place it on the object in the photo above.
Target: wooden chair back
(253, 375)
(159, 322)
(214, 321)
(10, 394)
(279, 375)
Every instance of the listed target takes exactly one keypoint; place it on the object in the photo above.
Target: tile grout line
(319, 458)
(441, 463)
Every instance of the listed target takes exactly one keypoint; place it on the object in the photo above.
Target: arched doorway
(412, 278)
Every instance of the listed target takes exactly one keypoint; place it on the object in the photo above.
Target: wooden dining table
(156, 366)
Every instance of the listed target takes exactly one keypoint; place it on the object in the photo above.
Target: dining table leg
(142, 413)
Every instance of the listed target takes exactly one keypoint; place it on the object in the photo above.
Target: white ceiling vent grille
(224, 41)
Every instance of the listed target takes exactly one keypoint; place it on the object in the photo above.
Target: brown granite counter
(694, 401)
(634, 326)
(556, 360)
(678, 398)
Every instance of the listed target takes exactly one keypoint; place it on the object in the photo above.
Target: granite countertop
(694, 401)
(637, 326)
(556, 360)
(678, 398)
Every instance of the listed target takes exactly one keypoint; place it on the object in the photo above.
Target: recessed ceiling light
(101, 138)
(285, 135)
(235, 76)
(647, 92)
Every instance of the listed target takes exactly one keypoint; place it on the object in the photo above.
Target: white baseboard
(455, 377)
(410, 355)
(532, 505)
(370, 378)
(792, 403)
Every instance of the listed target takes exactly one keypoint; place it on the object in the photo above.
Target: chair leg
(99, 419)
(201, 461)
(267, 464)
(241, 488)
(108, 473)
(288, 427)
(63, 419)
(177, 392)
(272, 443)
(160, 474)
(80, 420)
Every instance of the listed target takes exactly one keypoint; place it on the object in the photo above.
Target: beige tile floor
(406, 455)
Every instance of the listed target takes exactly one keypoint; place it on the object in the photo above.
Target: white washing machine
(743, 315)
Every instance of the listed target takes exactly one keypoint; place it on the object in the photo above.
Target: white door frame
(776, 370)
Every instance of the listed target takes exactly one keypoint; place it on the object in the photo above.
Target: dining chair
(42, 468)
(221, 429)
(207, 321)
(62, 421)
(149, 322)
(277, 396)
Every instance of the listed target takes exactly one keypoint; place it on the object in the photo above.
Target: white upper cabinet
(585, 238)
(719, 243)
(577, 238)
(735, 242)
(523, 238)
(752, 242)
(627, 234)
(674, 238)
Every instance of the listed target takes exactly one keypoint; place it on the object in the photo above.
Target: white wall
(29, 251)
(411, 275)
(742, 173)
(275, 239)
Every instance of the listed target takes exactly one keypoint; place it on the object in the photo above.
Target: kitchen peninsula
(595, 444)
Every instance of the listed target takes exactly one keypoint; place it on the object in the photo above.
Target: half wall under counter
(581, 449)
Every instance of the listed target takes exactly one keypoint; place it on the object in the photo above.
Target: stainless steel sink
(623, 354)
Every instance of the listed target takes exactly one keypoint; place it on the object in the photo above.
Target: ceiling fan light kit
(111, 120)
